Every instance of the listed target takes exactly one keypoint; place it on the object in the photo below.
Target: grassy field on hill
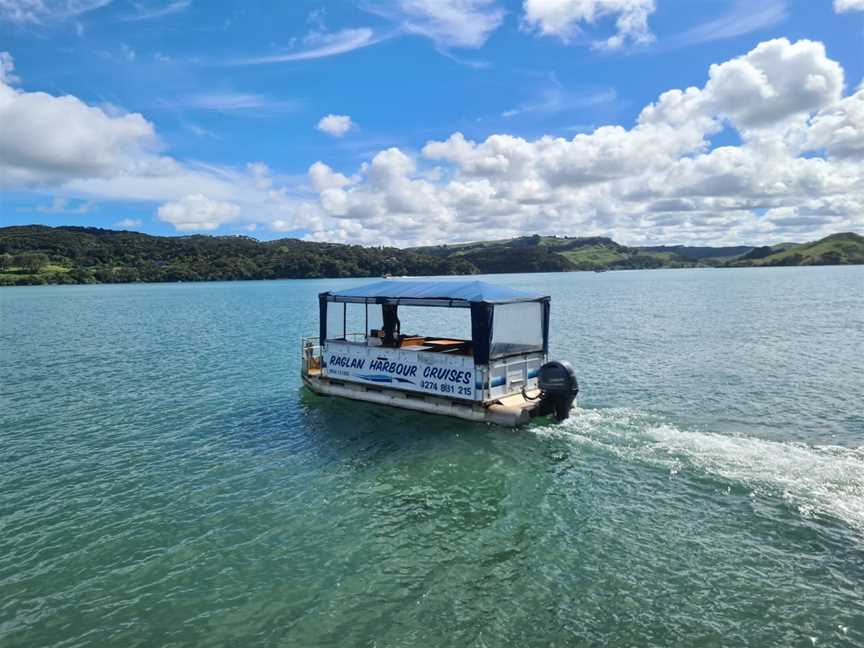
(837, 249)
(599, 253)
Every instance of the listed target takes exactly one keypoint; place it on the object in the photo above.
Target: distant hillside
(558, 253)
(598, 253)
(837, 249)
(695, 253)
(36, 254)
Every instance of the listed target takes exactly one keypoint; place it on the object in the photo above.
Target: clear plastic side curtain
(518, 329)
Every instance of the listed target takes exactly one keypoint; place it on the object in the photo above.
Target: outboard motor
(558, 389)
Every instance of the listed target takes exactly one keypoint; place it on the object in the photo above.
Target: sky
(409, 122)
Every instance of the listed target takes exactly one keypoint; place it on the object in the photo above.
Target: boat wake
(826, 480)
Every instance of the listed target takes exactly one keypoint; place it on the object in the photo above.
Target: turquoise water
(164, 481)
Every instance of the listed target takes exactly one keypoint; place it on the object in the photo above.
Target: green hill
(578, 253)
(35, 254)
(838, 249)
(696, 253)
(526, 253)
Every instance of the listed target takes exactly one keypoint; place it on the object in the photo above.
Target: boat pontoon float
(501, 375)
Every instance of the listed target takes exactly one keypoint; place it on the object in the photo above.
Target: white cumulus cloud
(47, 139)
(197, 212)
(566, 19)
(842, 6)
(661, 180)
(323, 177)
(103, 153)
(839, 129)
(335, 125)
(793, 172)
(776, 80)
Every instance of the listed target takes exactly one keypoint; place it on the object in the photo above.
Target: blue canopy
(481, 297)
(444, 293)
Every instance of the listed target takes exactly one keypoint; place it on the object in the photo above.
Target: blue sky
(187, 116)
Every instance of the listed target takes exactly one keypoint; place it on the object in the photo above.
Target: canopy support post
(322, 318)
(481, 331)
(546, 307)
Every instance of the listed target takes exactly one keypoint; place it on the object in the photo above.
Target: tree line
(36, 254)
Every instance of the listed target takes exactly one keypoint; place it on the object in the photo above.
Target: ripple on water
(165, 482)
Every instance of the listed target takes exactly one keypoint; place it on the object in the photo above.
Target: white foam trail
(815, 479)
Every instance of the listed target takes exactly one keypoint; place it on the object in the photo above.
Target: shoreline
(490, 274)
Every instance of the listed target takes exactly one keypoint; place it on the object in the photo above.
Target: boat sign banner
(409, 370)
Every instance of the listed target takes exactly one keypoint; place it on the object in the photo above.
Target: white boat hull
(510, 412)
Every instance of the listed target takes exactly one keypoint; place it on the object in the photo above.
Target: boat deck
(425, 344)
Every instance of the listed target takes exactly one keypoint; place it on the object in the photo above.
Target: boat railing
(311, 350)
(311, 355)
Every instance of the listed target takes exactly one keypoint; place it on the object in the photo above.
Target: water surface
(165, 481)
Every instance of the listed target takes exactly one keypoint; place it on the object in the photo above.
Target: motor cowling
(558, 389)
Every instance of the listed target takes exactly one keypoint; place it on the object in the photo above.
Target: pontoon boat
(500, 375)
